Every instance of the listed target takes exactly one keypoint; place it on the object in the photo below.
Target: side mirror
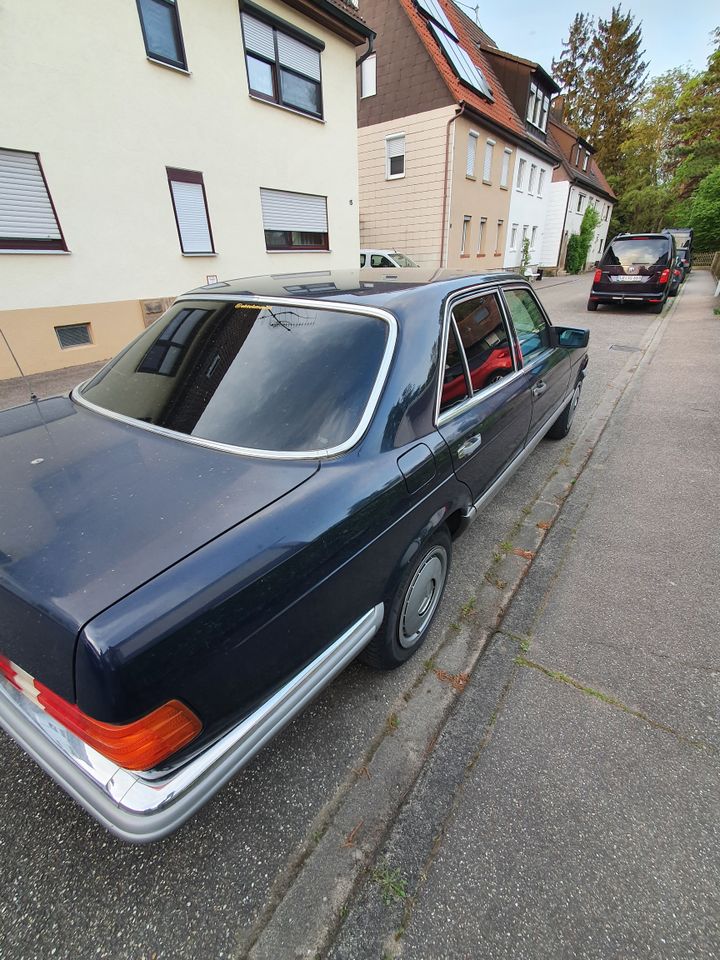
(572, 338)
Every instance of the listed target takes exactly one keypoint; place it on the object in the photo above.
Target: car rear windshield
(281, 378)
(637, 252)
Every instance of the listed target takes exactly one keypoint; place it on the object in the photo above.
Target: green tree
(570, 71)
(705, 213)
(697, 125)
(616, 76)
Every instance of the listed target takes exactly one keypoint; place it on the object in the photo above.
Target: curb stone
(304, 916)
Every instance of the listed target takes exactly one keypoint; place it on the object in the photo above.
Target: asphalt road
(69, 889)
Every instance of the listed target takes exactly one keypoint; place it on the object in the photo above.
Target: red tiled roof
(593, 177)
(348, 8)
(501, 110)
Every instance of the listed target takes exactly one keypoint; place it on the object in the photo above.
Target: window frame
(527, 362)
(323, 246)
(364, 68)
(489, 153)
(531, 180)
(179, 175)
(158, 57)
(541, 182)
(482, 237)
(472, 148)
(505, 168)
(513, 236)
(36, 244)
(473, 398)
(287, 29)
(465, 237)
(388, 174)
(520, 179)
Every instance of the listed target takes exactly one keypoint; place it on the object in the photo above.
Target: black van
(684, 243)
(635, 266)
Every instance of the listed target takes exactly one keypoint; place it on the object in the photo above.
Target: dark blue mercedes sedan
(262, 486)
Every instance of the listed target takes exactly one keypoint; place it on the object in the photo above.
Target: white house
(151, 146)
(529, 206)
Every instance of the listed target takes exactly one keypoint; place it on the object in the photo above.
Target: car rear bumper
(610, 296)
(141, 807)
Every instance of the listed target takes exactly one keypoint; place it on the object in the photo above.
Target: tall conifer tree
(570, 71)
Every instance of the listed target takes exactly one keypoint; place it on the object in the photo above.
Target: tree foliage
(705, 213)
(570, 71)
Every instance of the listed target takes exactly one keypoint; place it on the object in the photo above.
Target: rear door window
(455, 387)
(485, 340)
(529, 322)
(378, 260)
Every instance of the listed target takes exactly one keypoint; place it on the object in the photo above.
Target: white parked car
(385, 258)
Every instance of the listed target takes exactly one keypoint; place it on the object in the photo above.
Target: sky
(673, 35)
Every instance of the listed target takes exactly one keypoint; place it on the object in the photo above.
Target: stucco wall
(554, 223)
(406, 213)
(476, 199)
(107, 122)
(528, 209)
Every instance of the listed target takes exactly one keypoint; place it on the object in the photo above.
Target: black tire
(561, 428)
(673, 293)
(394, 643)
(657, 307)
(592, 305)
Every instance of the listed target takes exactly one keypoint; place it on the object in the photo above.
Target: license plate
(629, 279)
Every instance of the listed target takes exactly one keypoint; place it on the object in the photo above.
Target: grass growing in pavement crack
(612, 702)
(393, 885)
(467, 608)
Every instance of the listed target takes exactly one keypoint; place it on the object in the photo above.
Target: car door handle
(470, 446)
(539, 388)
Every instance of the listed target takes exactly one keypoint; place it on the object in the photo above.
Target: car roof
(394, 290)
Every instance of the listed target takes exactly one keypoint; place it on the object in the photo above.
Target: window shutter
(258, 37)
(487, 168)
(368, 77)
(471, 154)
(26, 212)
(396, 147)
(191, 213)
(505, 168)
(297, 56)
(293, 211)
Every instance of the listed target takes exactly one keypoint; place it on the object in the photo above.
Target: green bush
(705, 213)
(579, 243)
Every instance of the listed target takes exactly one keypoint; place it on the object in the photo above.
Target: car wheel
(657, 307)
(592, 305)
(674, 293)
(561, 427)
(413, 605)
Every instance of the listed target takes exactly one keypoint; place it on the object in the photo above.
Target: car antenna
(33, 395)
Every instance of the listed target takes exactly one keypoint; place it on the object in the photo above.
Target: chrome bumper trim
(141, 810)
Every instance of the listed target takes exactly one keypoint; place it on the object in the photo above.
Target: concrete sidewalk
(571, 807)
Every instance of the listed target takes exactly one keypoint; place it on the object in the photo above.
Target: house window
(541, 181)
(191, 212)
(513, 236)
(607, 211)
(524, 233)
(586, 160)
(487, 165)
(464, 243)
(73, 335)
(294, 221)
(481, 237)
(368, 76)
(544, 113)
(505, 172)
(521, 174)
(533, 237)
(531, 179)
(581, 197)
(538, 108)
(471, 154)
(282, 68)
(498, 237)
(27, 215)
(531, 102)
(160, 24)
(395, 156)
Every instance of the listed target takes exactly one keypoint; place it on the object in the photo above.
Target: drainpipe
(369, 52)
(446, 212)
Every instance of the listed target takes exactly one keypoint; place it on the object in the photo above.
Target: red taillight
(676, 273)
(664, 276)
(598, 276)
(139, 745)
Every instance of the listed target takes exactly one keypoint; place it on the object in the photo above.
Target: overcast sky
(674, 34)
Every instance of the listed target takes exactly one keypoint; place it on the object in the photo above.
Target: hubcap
(422, 597)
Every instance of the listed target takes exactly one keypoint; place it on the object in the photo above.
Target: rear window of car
(281, 378)
(637, 252)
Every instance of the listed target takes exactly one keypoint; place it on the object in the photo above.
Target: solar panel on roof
(465, 69)
(432, 9)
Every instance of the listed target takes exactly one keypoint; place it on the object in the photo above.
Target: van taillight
(598, 276)
(665, 275)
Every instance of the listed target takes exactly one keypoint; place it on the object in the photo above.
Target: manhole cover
(624, 348)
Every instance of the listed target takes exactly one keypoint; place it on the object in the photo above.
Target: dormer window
(538, 108)
(586, 160)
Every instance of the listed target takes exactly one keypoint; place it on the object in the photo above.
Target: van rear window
(637, 252)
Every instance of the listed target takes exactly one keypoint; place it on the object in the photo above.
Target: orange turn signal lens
(139, 745)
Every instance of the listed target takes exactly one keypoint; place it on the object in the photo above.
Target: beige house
(156, 145)
(439, 138)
